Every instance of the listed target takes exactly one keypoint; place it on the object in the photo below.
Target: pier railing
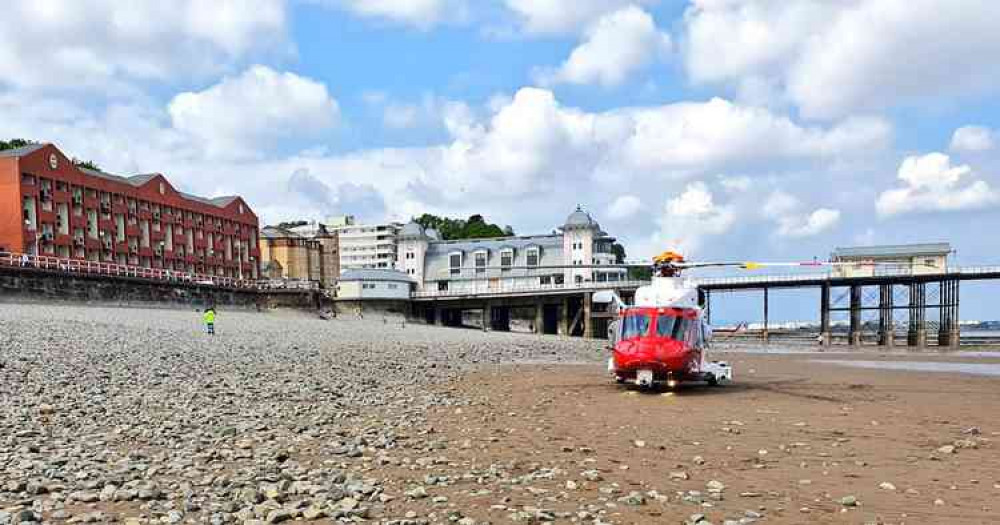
(822, 276)
(496, 289)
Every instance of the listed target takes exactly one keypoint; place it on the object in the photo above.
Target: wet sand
(792, 440)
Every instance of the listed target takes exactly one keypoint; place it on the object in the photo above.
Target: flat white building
(367, 246)
(509, 263)
(374, 284)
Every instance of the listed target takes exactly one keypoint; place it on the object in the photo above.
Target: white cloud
(565, 16)
(534, 144)
(972, 139)
(785, 210)
(932, 184)
(240, 114)
(837, 57)
(614, 47)
(69, 44)
(624, 207)
(691, 217)
(422, 14)
(819, 221)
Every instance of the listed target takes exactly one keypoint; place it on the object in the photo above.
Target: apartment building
(142, 220)
(367, 246)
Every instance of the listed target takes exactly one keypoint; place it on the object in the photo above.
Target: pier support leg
(949, 335)
(766, 315)
(854, 333)
(539, 317)
(916, 336)
(886, 326)
(588, 320)
(564, 319)
(825, 336)
(489, 317)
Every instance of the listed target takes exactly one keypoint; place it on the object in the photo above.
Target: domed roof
(580, 219)
(432, 234)
(412, 230)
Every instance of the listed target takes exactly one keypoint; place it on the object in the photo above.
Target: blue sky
(725, 128)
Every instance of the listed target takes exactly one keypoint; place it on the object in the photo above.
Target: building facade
(78, 213)
(367, 246)
(917, 259)
(308, 252)
(509, 263)
(371, 284)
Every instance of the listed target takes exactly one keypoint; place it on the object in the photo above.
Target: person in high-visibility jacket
(209, 319)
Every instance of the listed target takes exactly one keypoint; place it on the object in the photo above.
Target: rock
(634, 498)
(698, 460)
(885, 485)
(418, 492)
(85, 497)
(680, 475)
(947, 449)
(715, 486)
(591, 475)
(280, 515)
(849, 501)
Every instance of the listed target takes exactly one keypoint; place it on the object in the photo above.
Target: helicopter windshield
(635, 325)
(672, 326)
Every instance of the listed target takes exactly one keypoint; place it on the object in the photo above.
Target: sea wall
(36, 285)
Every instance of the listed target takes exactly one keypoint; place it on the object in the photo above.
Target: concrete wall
(44, 285)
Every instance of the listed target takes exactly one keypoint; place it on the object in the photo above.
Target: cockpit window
(665, 325)
(635, 325)
(680, 329)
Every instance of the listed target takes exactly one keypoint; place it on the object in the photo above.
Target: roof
(274, 232)
(412, 230)
(496, 243)
(893, 250)
(22, 151)
(580, 219)
(372, 274)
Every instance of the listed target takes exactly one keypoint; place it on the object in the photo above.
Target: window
(545, 280)
(635, 325)
(455, 263)
(665, 325)
(393, 286)
(506, 260)
(163, 188)
(442, 286)
(532, 257)
(481, 258)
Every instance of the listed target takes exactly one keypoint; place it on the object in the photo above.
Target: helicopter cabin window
(635, 325)
(532, 257)
(455, 263)
(480, 260)
(665, 325)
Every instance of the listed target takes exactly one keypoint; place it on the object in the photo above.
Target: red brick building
(49, 206)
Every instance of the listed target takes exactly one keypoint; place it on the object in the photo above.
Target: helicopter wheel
(620, 380)
(712, 380)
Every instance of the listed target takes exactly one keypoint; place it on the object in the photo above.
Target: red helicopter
(663, 338)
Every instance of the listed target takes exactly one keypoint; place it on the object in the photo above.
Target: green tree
(14, 144)
(475, 227)
(89, 164)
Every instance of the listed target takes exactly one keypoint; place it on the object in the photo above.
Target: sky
(737, 129)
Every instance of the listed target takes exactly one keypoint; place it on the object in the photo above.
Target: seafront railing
(110, 269)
